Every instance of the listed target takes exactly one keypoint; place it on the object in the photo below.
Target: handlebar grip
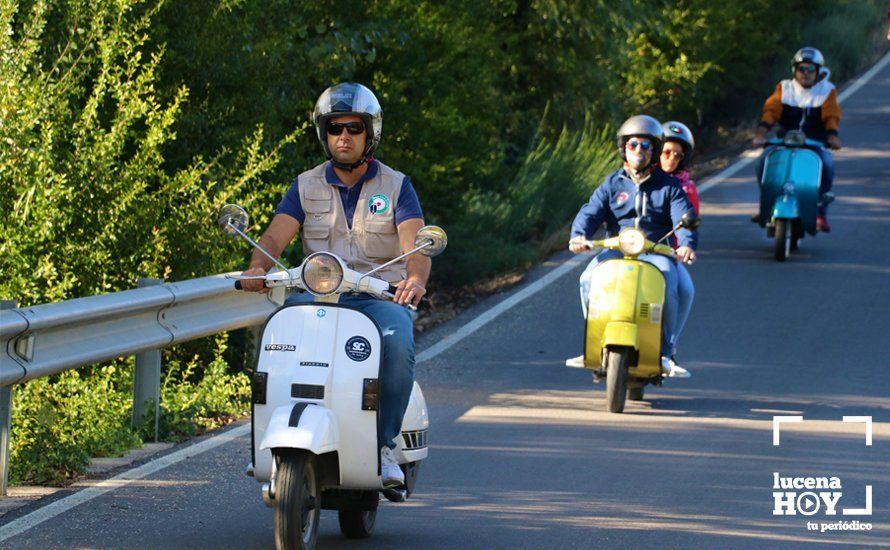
(237, 285)
(392, 288)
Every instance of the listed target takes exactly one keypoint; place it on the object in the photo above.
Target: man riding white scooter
(366, 213)
(639, 195)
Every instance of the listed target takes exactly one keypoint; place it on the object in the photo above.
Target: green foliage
(59, 423)
(190, 406)
(556, 177)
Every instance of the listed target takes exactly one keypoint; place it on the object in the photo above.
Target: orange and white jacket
(814, 110)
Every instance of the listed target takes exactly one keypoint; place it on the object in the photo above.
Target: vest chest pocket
(381, 240)
(316, 226)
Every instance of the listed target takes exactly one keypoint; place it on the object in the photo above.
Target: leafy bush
(58, 423)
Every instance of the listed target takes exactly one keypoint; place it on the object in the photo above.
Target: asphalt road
(522, 454)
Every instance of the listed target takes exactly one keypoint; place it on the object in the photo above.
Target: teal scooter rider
(807, 102)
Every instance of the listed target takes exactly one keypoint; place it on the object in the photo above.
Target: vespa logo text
(281, 347)
(808, 496)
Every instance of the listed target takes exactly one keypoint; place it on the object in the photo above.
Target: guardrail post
(5, 420)
(147, 378)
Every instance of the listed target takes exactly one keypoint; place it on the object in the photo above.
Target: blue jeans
(685, 294)
(827, 171)
(670, 316)
(397, 370)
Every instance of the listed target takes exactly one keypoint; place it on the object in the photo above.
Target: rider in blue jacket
(639, 195)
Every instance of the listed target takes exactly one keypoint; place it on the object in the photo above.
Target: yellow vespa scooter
(624, 314)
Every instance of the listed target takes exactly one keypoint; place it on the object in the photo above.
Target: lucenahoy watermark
(809, 496)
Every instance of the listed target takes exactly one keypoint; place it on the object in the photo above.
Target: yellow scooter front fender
(624, 308)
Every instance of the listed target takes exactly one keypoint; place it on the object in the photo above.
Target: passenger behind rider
(639, 195)
(807, 102)
(366, 213)
(675, 156)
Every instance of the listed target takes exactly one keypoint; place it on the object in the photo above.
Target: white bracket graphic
(867, 421)
(861, 511)
(777, 421)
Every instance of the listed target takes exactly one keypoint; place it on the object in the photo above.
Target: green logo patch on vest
(378, 204)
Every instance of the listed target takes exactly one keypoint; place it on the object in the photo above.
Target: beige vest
(373, 239)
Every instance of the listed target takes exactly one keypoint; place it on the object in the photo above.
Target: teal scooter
(789, 191)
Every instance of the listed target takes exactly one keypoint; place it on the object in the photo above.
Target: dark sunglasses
(643, 144)
(675, 154)
(354, 128)
(810, 69)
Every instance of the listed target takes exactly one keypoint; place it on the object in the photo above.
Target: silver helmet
(679, 132)
(350, 98)
(644, 126)
(808, 55)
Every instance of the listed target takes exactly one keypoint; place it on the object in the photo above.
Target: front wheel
(782, 242)
(297, 502)
(616, 379)
(357, 524)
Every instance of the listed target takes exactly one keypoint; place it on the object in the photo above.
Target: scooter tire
(357, 524)
(616, 379)
(297, 501)
(782, 240)
(635, 394)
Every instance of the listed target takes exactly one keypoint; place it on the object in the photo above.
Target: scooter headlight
(631, 242)
(795, 138)
(322, 273)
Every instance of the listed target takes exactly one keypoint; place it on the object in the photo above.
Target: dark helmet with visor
(641, 126)
(679, 132)
(349, 98)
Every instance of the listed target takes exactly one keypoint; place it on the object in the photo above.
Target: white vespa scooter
(315, 398)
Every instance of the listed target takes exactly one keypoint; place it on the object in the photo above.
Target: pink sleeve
(691, 194)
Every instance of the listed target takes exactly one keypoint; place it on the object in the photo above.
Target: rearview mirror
(231, 217)
(690, 221)
(434, 237)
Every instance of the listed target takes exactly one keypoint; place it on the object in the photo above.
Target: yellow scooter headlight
(322, 274)
(631, 242)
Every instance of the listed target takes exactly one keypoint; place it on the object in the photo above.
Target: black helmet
(350, 98)
(641, 125)
(679, 132)
(808, 55)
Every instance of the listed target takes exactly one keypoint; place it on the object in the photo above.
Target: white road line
(50, 511)
(862, 80)
(490, 314)
(24, 523)
(751, 154)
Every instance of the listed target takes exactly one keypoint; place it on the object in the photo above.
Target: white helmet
(679, 132)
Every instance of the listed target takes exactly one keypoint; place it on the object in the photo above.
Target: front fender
(620, 334)
(786, 207)
(302, 426)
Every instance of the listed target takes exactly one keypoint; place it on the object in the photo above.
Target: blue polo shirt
(407, 207)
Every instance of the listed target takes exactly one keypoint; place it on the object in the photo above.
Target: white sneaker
(670, 369)
(390, 473)
(575, 362)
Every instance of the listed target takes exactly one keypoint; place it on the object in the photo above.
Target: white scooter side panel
(412, 445)
(319, 354)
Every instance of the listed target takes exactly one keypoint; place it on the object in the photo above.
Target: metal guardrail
(51, 338)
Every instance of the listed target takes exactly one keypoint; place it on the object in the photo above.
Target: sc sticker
(358, 348)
